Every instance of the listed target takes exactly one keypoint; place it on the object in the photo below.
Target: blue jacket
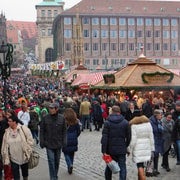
(158, 134)
(72, 138)
(115, 135)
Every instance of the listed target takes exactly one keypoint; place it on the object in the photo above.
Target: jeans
(178, 150)
(85, 121)
(121, 159)
(35, 135)
(69, 158)
(53, 156)
(15, 170)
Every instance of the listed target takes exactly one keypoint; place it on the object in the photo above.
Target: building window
(166, 61)
(174, 22)
(157, 46)
(139, 34)
(122, 33)
(104, 46)
(131, 34)
(122, 62)
(49, 32)
(95, 21)
(113, 21)
(87, 61)
(104, 21)
(174, 34)
(139, 21)
(165, 34)
(113, 46)
(55, 13)
(158, 61)
(95, 46)
(95, 33)
(131, 46)
(49, 55)
(165, 22)
(157, 22)
(43, 14)
(148, 46)
(67, 20)
(86, 46)
(104, 62)
(131, 21)
(104, 33)
(86, 33)
(148, 33)
(174, 62)
(95, 62)
(113, 34)
(49, 13)
(148, 22)
(165, 46)
(68, 46)
(85, 20)
(122, 46)
(67, 33)
(122, 21)
(157, 33)
(173, 46)
(43, 32)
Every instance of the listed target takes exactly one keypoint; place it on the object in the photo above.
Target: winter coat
(73, 132)
(53, 133)
(167, 133)
(176, 131)
(158, 134)
(26, 144)
(96, 113)
(115, 135)
(142, 140)
(34, 120)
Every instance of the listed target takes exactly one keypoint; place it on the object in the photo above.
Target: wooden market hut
(140, 75)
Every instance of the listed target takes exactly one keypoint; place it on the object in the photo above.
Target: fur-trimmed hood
(139, 120)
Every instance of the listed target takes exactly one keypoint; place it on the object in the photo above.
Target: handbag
(34, 157)
(113, 165)
(33, 160)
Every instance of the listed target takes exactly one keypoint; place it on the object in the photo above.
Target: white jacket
(142, 141)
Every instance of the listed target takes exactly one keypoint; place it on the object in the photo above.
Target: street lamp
(6, 60)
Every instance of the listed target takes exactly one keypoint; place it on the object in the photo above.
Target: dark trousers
(121, 159)
(165, 160)
(156, 159)
(15, 170)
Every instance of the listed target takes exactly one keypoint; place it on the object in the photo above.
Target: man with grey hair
(115, 140)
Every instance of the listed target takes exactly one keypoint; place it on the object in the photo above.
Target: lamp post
(6, 60)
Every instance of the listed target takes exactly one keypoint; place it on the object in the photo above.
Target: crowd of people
(42, 111)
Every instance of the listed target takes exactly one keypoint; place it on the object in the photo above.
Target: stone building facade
(47, 10)
(115, 31)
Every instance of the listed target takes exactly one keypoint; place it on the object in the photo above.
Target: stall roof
(142, 73)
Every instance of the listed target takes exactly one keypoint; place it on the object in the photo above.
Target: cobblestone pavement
(88, 163)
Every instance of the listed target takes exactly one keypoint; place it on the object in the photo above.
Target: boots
(141, 174)
(25, 178)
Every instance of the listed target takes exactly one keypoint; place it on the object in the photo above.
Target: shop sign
(84, 86)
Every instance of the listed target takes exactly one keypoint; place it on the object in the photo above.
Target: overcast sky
(24, 10)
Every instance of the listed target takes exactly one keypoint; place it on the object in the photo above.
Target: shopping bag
(34, 160)
(113, 165)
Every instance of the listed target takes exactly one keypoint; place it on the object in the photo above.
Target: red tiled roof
(28, 29)
(125, 7)
(12, 36)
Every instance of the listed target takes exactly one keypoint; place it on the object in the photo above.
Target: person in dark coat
(176, 131)
(131, 112)
(53, 136)
(157, 127)
(147, 108)
(115, 140)
(73, 132)
(96, 114)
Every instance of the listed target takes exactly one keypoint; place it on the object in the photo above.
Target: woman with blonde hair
(17, 147)
(73, 132)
